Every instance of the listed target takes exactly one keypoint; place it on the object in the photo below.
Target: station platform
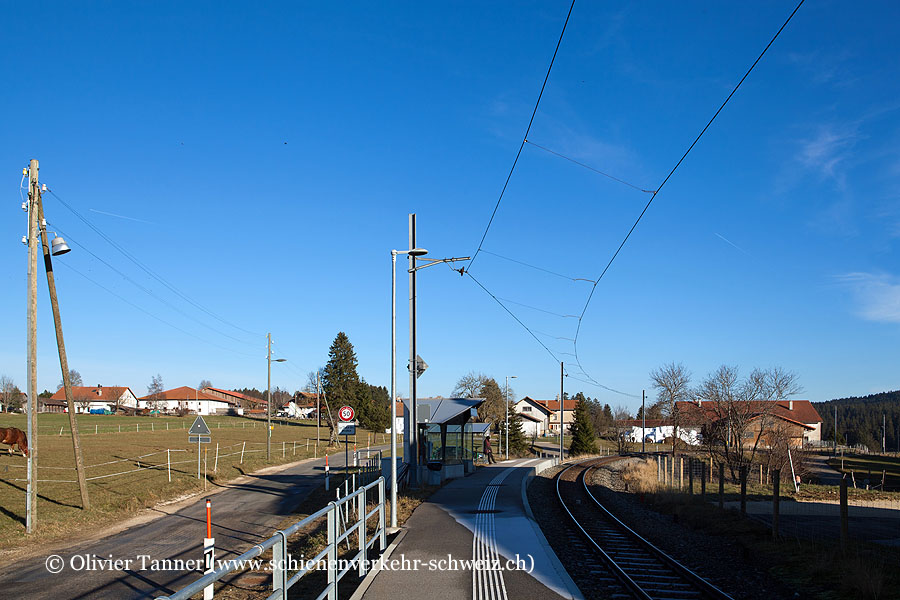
(483, 517)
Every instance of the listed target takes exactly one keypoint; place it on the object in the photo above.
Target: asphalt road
(243, 514)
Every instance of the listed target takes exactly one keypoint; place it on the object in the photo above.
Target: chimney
(699, 401)
(790, 405)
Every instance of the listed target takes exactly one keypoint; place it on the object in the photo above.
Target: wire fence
(168, 459)
(784, 502)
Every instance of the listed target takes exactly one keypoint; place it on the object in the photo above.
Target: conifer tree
(582, 431)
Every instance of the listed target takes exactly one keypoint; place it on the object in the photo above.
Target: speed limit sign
(346, 413)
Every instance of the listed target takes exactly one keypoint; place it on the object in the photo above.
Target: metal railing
(282, 580)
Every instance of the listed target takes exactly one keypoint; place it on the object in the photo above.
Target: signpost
(199, 433)
(346, 428)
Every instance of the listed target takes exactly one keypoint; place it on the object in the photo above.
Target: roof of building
(238, 395)
(796, 411)
(98, 393)
(185, 393)
(550, 405)
(530, 417)
(441, 410)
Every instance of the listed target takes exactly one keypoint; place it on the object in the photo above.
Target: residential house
(797, 420)
(547, 412)
(189, 399)
(98, 397)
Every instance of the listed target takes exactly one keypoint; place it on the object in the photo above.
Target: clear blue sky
(263, 159)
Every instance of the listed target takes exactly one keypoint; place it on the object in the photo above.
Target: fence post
(332, 551)
(691, 476)
(776, 493)
(242, 452)
(216, 466)
(721, 485)
(152, 428)
(282, 449)
(361, 532)
(169, 465)
(138, 428)
(279, 562)
(845, 533)
(703, 479)
(743, 475)
(96, 429)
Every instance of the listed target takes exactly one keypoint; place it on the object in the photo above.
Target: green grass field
(870, 466)
(128, 471)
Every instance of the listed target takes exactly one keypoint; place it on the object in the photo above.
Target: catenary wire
(589, 168)
(524, 137)
(675, 168)
(525, 264)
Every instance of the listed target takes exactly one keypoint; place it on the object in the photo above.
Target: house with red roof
(191, 400)
(762, 420)
(545, 413)
(88, 398)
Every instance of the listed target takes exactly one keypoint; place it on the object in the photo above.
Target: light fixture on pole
(508, 377)
(269, 395)
(394, 253)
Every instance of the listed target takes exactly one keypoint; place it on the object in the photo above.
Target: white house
(187, 398)
(88, 398)
(547, 412)
(532, 424)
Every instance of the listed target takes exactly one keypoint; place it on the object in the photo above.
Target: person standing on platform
(488, 451)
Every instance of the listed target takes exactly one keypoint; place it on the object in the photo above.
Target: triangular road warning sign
(199, 427)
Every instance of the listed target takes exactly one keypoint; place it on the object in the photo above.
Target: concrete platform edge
(371, 575)
(575, 593)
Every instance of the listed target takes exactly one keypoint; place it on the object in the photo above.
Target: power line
(144, 289)
(675, 168)
(590, 168)
(524, 137)
(144, 267)
(148, 313)
(497, 300)
(524, 264)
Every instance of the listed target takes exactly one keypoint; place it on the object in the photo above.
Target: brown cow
(14, 437)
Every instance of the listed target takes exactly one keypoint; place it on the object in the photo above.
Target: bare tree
(470, 385)
(313, 378)
(115, 394)
(620, 415)
(204, 383)
(730, 406)
(8, 391)
(154, 391)
(83, 398)
(673, 384)
(74, 379)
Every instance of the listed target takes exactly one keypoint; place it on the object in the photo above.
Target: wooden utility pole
(31, 316)
(63, 361)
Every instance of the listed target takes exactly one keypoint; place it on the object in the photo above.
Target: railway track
(634, 567)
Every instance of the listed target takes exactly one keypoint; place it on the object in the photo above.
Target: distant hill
(859, 420)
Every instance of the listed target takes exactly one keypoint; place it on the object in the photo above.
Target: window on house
(526, 409)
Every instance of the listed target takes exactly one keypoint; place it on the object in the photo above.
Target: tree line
(860, 420)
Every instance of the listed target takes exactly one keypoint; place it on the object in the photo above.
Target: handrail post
(381, 527)
(361, 503)
(332, 551)
(279, 560)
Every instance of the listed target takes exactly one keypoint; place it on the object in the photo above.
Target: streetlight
(269, 395)
(508, 377)
(413, 442)
(414, 252)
